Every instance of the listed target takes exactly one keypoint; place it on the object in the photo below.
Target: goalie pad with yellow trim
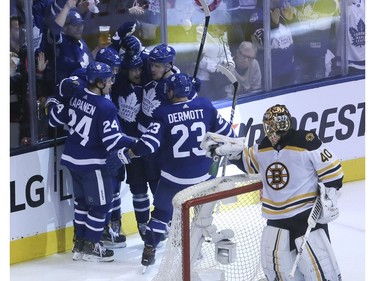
(318, 262)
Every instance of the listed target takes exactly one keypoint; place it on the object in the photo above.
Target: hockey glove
(126, 29)
(117, 159)
(330, 210)
(116, 42)
(196, 83)
(216, 144)
(132, 45)
(50, 103)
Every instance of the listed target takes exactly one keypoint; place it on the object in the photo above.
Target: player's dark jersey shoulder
(298, 138)
(304, 139)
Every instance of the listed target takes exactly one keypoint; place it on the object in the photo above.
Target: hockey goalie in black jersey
(291, 163)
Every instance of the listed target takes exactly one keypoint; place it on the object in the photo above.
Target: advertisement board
(42, 201)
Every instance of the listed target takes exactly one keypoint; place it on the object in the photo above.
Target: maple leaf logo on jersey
(149, 102)
(129, 108)
(358, 35)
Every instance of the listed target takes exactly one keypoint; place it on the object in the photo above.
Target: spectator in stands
(15, 83)
(119, 10)
(15, 40)
(282, 46)
(356, 39)
(149, 21)
(111, 13)
(215, 85)
(240, 27)
(357, 35)
(71, 50)
(20, 101)
(115, 12)
(247, 69)
(312, 42)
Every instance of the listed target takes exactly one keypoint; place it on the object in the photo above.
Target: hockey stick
(215, 165)
(312, 220)
(55, 159)
(203, 39)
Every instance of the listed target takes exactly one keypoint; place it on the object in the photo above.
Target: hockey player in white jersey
(290, 163)
(176, 131)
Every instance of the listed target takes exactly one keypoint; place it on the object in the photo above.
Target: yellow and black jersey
(290, 172)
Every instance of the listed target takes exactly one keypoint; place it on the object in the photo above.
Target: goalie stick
(215, 165)
(204, 34)
(312, 220)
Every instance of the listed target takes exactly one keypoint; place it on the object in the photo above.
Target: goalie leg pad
(201, 226)
(318, 261)
(276, 258)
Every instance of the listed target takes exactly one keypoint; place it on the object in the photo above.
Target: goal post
(215, 232)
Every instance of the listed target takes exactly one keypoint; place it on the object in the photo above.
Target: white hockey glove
(216, 144)
(330, 210)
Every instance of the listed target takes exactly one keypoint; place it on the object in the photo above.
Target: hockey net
(215, 232)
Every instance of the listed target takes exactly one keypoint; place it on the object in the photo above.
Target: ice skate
(96, 252)
(112, 239)
(78, 248)
(148, 257)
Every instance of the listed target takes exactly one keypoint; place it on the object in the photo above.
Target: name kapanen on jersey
(83, 105)
(186, 115)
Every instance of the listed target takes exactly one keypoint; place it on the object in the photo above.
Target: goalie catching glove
(330, 210)
(117, 158)
(219, 145)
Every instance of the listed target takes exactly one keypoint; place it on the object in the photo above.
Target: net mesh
(210, 220)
